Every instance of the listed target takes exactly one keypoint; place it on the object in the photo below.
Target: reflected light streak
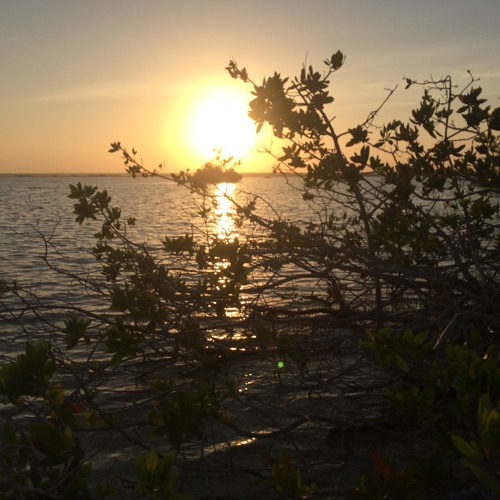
(224, 229)
(224, 215)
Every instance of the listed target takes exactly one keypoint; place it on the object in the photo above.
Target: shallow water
(32, 206)
(36, 216)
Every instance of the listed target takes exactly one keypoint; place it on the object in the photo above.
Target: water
(36, 214)
(34, 207)
(334, 382)
(36, 219)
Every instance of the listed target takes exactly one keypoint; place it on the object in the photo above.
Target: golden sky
(78, 75)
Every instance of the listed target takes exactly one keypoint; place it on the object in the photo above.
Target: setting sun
(220, 122)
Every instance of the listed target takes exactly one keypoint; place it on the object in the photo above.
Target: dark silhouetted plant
(403, 244)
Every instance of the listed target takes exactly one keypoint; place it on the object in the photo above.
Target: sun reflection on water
(224, 230)
(225, 227)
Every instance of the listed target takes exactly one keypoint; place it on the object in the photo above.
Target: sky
(77, 75)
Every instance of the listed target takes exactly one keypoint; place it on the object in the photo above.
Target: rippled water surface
(35, 212)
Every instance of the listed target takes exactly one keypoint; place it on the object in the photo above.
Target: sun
(219, 121)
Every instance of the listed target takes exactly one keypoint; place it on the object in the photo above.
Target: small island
(213, 174)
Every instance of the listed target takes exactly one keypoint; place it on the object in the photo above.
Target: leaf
(402, 365)
(421, 337)
(151, 461)
(464, 447)
(484, 478)
(47, 439)
(359, 134)
(495, 119)
(363, 156)
(178, 245)
(29, 374)
(75, 328)
(115, 146)
(337, 60)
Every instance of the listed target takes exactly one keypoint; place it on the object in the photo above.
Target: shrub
(404, 245)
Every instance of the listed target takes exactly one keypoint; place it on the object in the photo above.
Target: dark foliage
(325, 344)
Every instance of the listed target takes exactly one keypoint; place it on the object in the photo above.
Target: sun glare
(220, 122)
(224, 215)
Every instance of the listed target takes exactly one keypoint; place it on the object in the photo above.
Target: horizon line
(109, 174)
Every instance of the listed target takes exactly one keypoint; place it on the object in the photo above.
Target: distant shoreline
(94, 174)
